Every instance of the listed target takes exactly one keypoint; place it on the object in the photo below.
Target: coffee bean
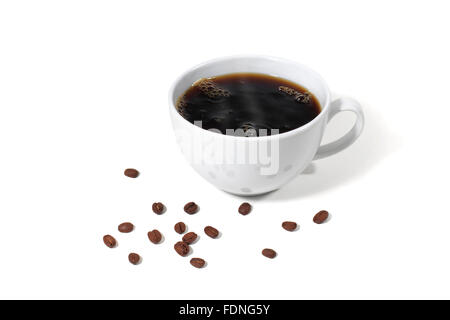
(126, 227)
(211, 231)
(158, 207)
(154, 236)
(180, 227)
(109, 241)
(198, 262)
(181, 248)
(134, 258)
(289, 225)
(132, 173)
(191, 208)
(320, 217)
(269, 253)
(189, 237)
(245, 208)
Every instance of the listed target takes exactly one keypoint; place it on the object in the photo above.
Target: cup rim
(305, 127)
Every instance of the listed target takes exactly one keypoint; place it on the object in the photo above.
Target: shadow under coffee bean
(248, 102)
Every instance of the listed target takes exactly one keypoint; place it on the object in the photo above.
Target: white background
(83, 95)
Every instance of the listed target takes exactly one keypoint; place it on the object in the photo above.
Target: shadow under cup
(250, 165)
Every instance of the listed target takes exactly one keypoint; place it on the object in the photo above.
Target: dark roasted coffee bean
(154, 236)
(269, 253)
(181, 248)
(180, 227)
(245, 208)
(320, 217)
(198, 262)
(109, 241)
(289, 225)
(158, 207)
(190, 237)
(191, 208)
(126, 227)
(134, 258)
(132, 173)
(211, 231)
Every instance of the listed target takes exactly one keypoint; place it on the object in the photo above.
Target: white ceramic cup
(257, 165)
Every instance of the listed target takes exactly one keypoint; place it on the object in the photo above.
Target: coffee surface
(248, 102)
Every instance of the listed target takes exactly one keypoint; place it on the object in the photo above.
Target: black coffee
(248, 102)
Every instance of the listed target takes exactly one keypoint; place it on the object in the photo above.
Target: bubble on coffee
(303, 97)
(211, 89)
(248, 104)
(246, 130)
(181, 106)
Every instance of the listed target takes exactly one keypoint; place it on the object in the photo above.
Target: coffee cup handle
(336, 106)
